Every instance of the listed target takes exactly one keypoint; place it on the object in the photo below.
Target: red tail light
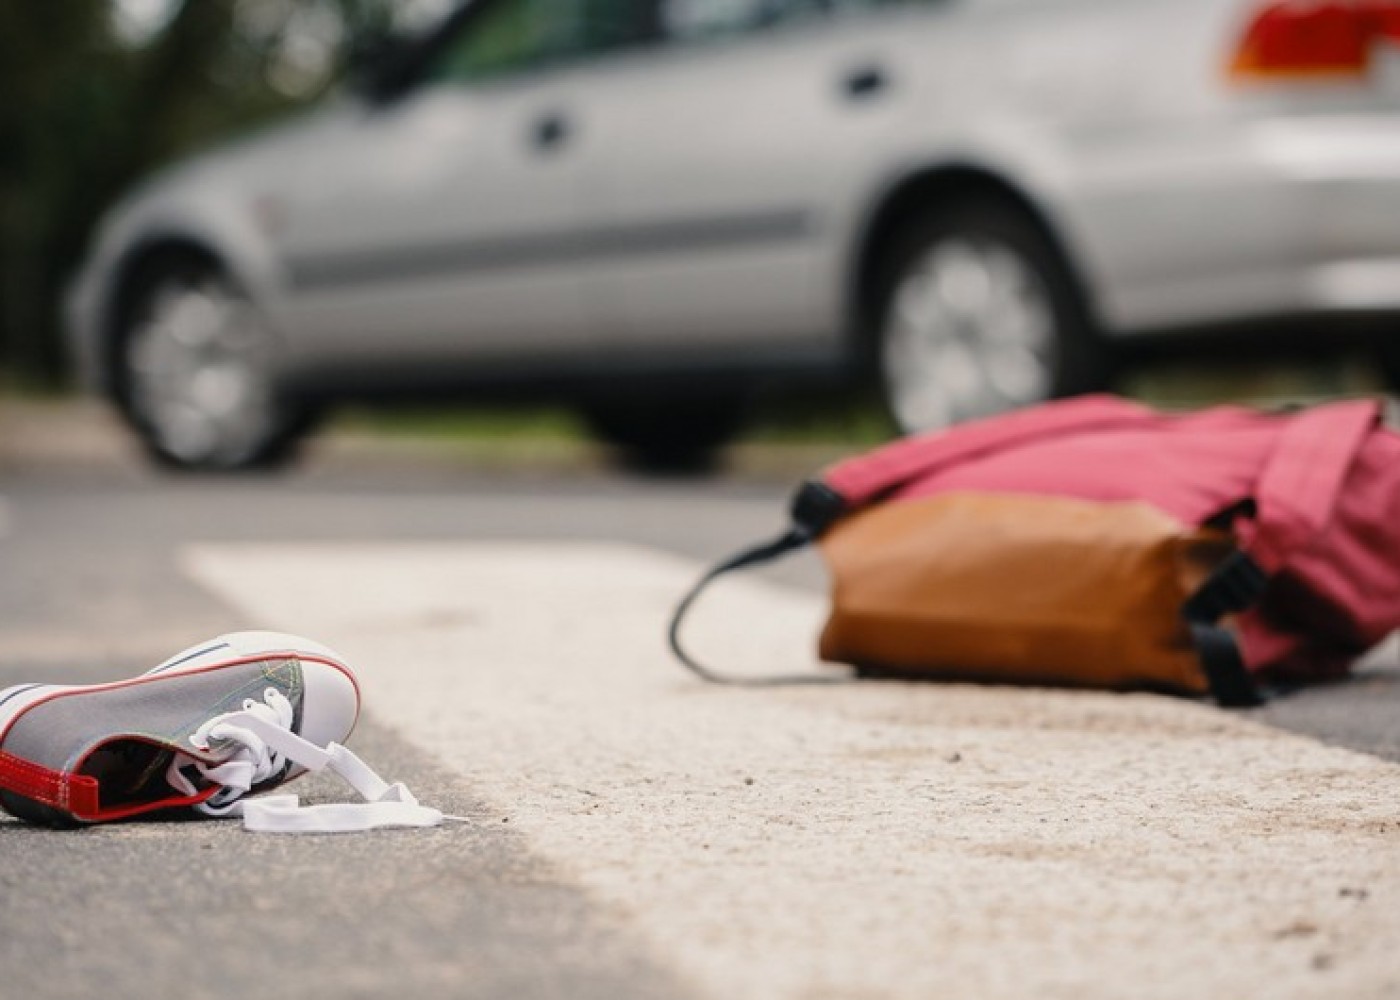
(1315, 38)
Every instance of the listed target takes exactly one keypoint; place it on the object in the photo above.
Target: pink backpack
(1307, 502)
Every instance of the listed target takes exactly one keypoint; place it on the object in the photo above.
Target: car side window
(510, 36)
(690, 20)
(696, 20)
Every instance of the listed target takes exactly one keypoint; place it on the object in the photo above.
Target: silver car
(652, 208)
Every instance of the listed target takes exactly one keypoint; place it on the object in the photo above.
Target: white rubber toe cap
(331, 703)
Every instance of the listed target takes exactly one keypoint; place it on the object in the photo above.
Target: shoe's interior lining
(129, 772)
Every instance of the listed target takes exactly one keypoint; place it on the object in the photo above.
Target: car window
(509, 36)
(689, 20)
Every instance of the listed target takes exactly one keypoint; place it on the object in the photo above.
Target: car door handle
(550, 131)
(865, 82)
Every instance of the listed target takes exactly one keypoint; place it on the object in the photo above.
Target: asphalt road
(108, 568)
(92, 590)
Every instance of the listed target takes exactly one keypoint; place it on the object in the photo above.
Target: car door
(432, 227)
(727, 158)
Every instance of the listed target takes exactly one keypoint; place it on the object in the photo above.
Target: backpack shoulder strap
(1304, 476)
(1294, 499)
(865, 478)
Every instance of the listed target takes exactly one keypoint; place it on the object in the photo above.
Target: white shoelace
(265, 744)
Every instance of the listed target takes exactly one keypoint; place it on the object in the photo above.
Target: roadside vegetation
(822, 420)
(99, 93)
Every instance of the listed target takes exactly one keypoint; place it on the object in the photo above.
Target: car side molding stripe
(310, 273)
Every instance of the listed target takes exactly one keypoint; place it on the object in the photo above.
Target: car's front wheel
(976, 313)
(195, 374)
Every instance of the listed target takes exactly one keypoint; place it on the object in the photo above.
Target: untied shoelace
(265, 744)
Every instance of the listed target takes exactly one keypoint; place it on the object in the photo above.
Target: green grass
(789, 421)
(860, 422)
(799, 425)
(1260, 383)
(461, 423)
(22, 386)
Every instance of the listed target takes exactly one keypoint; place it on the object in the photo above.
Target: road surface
(635, 833)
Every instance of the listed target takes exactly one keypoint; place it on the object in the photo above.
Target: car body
(684, 199)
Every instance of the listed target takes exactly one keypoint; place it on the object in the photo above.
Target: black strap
(1236, 584)
(1229, 679)
(814, 507)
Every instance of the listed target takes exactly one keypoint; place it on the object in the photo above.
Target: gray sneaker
(198, 732)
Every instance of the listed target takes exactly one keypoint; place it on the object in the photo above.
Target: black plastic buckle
(1236, 584)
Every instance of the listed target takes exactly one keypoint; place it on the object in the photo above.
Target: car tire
(668, 436)
(975, 313)
(194, 363)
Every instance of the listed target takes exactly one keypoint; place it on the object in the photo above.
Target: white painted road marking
(872, 840)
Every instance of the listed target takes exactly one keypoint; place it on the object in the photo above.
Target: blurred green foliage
(89, 104)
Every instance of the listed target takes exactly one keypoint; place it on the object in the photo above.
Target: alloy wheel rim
(200, 373)
(970, 331)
